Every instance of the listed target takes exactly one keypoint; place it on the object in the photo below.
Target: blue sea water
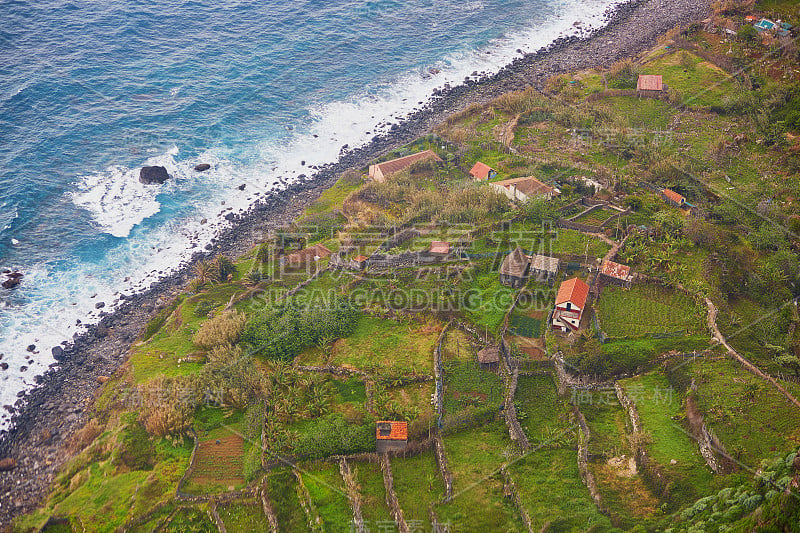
(92, 90)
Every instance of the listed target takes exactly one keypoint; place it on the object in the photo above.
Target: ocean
(92, 91)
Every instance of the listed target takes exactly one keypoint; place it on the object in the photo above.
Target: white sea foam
(54, 298)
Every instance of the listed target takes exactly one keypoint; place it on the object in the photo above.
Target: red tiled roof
(399, 430)
(615, 270)
(672, 195)
(529, 186)
(573, 290)
(309, 253)
(649, 82)
(361, 258)
(402, 163)
(480, 171)
(440, 247)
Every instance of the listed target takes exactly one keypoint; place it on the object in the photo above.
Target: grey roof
(544, 263)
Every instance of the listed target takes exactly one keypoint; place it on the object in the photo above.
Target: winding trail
(712, 324)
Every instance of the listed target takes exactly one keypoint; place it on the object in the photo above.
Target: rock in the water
(31, 347)
(202, 167)
(58, 353)
(99, 305)
(3, 366)
(241, 187)
(7, 464)
(153, 175)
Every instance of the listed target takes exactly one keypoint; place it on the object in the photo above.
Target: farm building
(521, 189)
(515, 268)
(650, 86)
(570, 304)
(518, 266)
(616, 274)
(544, 267)
(481, 171)
(440, 247)
(673, 198)
(306, 257)
(391, 436)
(361, 261)
(382, 171)
(489, 358)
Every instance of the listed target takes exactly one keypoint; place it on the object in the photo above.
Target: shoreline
(46, 416)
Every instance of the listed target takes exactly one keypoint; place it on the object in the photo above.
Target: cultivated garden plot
(470, 389)
(218, 463)
(474, 457)
(541, 413)
(459, 345)
(190, 519)
(595, 217)
(752, 419)
(648, 309)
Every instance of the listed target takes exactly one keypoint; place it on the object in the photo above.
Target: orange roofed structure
(570, 304)
(616, 273)
(481, 171)
(650, 86)
(381, 171)
(673, 198)
(391, 436)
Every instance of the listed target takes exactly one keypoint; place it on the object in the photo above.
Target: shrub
(220, 330)
(624, 75)
(204, 307)
(167, 405)
(747, 34)
(134, 449)
(332, 435)
(85, 436)
(224, 354)
(281, 333)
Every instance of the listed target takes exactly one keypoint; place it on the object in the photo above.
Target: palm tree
(205, 272)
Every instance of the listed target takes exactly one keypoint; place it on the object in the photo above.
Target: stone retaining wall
(444, 471)
(353, 495)
(584, 435)
(511, 487)
(391, 496)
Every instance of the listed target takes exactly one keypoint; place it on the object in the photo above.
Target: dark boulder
(202, 167)
(31, 347)
(99, 305)
(153, 175)
(58, 353)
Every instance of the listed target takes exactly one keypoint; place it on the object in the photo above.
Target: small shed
(481, 171)
(440, 247)
(361, 261)
(391, 436)
(616, 274)
(382, 171)
(673, 198)
(306, 257)
(489, 358)
(544, 267)
(650, 86)
(522, 189)
(515, 268)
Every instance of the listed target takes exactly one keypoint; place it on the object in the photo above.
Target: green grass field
(467, 385)
(644, 309)
(417, 484)
(282, 490)
(373, 494)
(326, 488)
(699, 82)
(545, 415)
(474, 457)
(659, 406)
(243, 517)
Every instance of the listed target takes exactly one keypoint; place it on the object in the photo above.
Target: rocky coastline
(45, 417)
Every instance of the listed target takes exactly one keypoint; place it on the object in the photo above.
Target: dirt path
(712, 324)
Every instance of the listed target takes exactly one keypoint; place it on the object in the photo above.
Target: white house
(570, 303)
(521, 189)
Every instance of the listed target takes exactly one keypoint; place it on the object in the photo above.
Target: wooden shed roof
(649, 82)
(544, 263)
(515, 263)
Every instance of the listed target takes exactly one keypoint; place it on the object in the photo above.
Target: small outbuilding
(616, 274)
(522, 189)
(306, 257)
(544, 267)
(391, 436)
(481, 171)
(650, 86)
(673, 198)
(489, 358)
(515, 268)
(382, 171)
(440, 247)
